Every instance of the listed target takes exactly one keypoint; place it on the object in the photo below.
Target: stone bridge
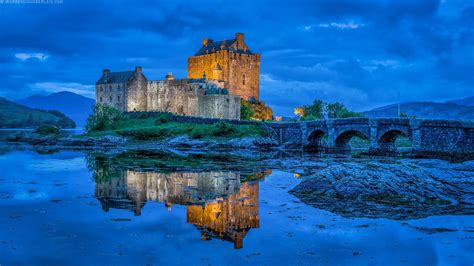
(428, 137)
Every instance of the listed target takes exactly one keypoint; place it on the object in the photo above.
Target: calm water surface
(53, 210)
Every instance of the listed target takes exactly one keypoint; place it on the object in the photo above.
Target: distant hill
(425, 110)
(469, 101)
(75, 106)
(14, 115)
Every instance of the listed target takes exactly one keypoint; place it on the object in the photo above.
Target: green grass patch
(162, 127)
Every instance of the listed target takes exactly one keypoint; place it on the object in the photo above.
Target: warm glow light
(299, 111)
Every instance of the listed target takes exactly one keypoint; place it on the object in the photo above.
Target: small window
(100, 99)
(243, 79)
(110, 98)
(118, 98)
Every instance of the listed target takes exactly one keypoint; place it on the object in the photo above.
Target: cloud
(343, 26)
(26, 56)
(360, 52)
(52, 87)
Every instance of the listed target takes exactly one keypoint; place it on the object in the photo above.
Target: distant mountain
(425, 110)
(14, 115)
(469, 101)
(75, 106)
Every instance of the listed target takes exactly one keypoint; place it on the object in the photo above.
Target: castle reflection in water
(217, 203)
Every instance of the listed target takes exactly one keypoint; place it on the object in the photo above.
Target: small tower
(169, 76)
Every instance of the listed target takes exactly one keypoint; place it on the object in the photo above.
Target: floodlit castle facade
(219, 75)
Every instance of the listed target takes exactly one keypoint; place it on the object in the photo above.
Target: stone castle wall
(112, 94)
(182, 97)
(136, 93)
(240, 72)
(174, 96)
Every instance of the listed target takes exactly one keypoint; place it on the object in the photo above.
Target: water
(7, 132)
(67, 207)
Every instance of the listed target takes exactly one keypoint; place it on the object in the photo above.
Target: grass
(159, 128)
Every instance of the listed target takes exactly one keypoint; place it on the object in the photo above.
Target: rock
(239, 143)
(185, 142)
(111, 140)
(77, 142)
(401, 190)
(265, 142)
(31, 138)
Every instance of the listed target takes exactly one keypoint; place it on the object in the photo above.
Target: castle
(219, 74)
(217, 204)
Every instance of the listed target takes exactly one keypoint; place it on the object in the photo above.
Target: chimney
(106, 72)
(206, 42)
(240, 40)
(169, 76)
(138, 69)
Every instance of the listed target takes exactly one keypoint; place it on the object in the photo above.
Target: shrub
(47, 130)
(223, 129)
(196, 133)
(246, 112)
(254, 110)
(102, 118)
(163, 118)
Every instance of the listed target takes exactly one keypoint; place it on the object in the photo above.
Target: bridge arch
(387, 139)
(316, 139)
(342, 139)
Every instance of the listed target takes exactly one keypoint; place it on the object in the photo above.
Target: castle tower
(230, 61)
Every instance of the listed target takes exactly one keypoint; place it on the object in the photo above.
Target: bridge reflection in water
(218, 204)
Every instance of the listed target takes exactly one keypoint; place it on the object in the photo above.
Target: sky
(358, 52)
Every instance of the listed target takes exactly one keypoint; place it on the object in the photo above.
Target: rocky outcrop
(121, 143)
(56, 141)
(401, 190)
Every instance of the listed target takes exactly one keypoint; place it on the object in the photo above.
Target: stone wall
(198, 98)
(137, 93)
(112, 94)
(240, 72)
(219, 106)
(174, 96)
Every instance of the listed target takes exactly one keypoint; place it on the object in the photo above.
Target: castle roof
(213, 46)
(116, 77)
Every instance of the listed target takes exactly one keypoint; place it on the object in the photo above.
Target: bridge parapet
(428, 137)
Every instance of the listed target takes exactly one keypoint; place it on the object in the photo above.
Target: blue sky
(357, 52)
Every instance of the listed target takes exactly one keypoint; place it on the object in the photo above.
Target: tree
(102, 118)
(255, 110)
(320, 109)
(246, 112)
